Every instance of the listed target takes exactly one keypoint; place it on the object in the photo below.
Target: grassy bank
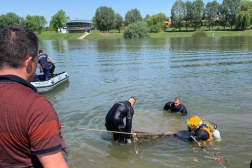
(170, 32)
(50, 35)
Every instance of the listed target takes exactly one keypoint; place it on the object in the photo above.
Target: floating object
(48, 85)
(194, 159)
(147, 136)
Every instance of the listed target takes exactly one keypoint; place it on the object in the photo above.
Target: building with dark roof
(79, 26)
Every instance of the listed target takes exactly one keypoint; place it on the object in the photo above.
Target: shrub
(136, 30)
(200, 33)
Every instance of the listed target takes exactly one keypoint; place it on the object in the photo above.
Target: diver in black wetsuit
(201, 130)
(115, 116)
(176, 106)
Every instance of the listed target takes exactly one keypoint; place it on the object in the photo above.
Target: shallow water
(211, 76)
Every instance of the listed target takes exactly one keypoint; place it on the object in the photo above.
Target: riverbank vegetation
(229, 18)
(169, 32)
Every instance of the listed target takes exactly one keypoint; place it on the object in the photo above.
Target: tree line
(230, 13)
(135, 26)
(35, 23)
(236, 14)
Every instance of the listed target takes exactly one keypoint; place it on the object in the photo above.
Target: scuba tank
(213, 129)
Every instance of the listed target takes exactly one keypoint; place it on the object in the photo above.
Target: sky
(85, 10)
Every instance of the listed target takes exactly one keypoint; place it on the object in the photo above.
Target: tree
(232, 6)
(118, 21)
(147, 16)
(59, 20)
(211, 12)
(188, 15)
(104, 18)
(198, 8)
(10, 19)
(35, 23)
(94, 23)
(156, 23)
(177, 14)
(224, 16)
(136, 30)
(132, 16)
(243, 17)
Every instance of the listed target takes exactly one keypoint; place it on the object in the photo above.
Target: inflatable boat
(48, 85)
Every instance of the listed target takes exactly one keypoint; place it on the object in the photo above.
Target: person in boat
(201, 130)
(30, 130)
(44, 65)
(176, 106)
(52, 68)
(115, 116)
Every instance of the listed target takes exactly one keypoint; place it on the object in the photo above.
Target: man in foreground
(29, 126)
(176, 106)
(115, 116)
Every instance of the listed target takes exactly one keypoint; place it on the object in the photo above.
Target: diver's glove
(128, 141)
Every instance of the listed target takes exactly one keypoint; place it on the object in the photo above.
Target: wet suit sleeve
(201, 135)
(129, 121)
(183, 138)
(168, 106)
(183, 110)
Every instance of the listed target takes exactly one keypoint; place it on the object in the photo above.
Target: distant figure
(44, 65)
(115, 116)
(201, 130)
(176, 106)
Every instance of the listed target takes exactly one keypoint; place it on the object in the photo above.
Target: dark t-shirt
(42, 59)
(29, 125)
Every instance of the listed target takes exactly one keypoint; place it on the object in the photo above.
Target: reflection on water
(211, 76)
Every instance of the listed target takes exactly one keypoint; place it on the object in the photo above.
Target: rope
(135, 142)
(133, 134)
(96, 130)
(216, 159)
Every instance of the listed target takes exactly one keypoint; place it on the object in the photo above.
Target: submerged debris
(147, 136)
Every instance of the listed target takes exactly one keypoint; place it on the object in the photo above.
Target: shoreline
(114, 34)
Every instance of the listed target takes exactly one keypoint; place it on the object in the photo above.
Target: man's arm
(183, 111)
(54, 159)
(44, 133)
(168, 106)
(51, 60)
(129, 118)
(40, 68)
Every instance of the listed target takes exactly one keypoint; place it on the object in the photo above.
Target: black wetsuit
(180, 108)
(199, 134)
(114, 119)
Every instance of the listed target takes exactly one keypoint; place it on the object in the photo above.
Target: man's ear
(28, 64)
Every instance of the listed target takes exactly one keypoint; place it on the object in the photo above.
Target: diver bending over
(115, 116)
(201, 130)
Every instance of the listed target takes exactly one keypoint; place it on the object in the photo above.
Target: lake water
(212, 76)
